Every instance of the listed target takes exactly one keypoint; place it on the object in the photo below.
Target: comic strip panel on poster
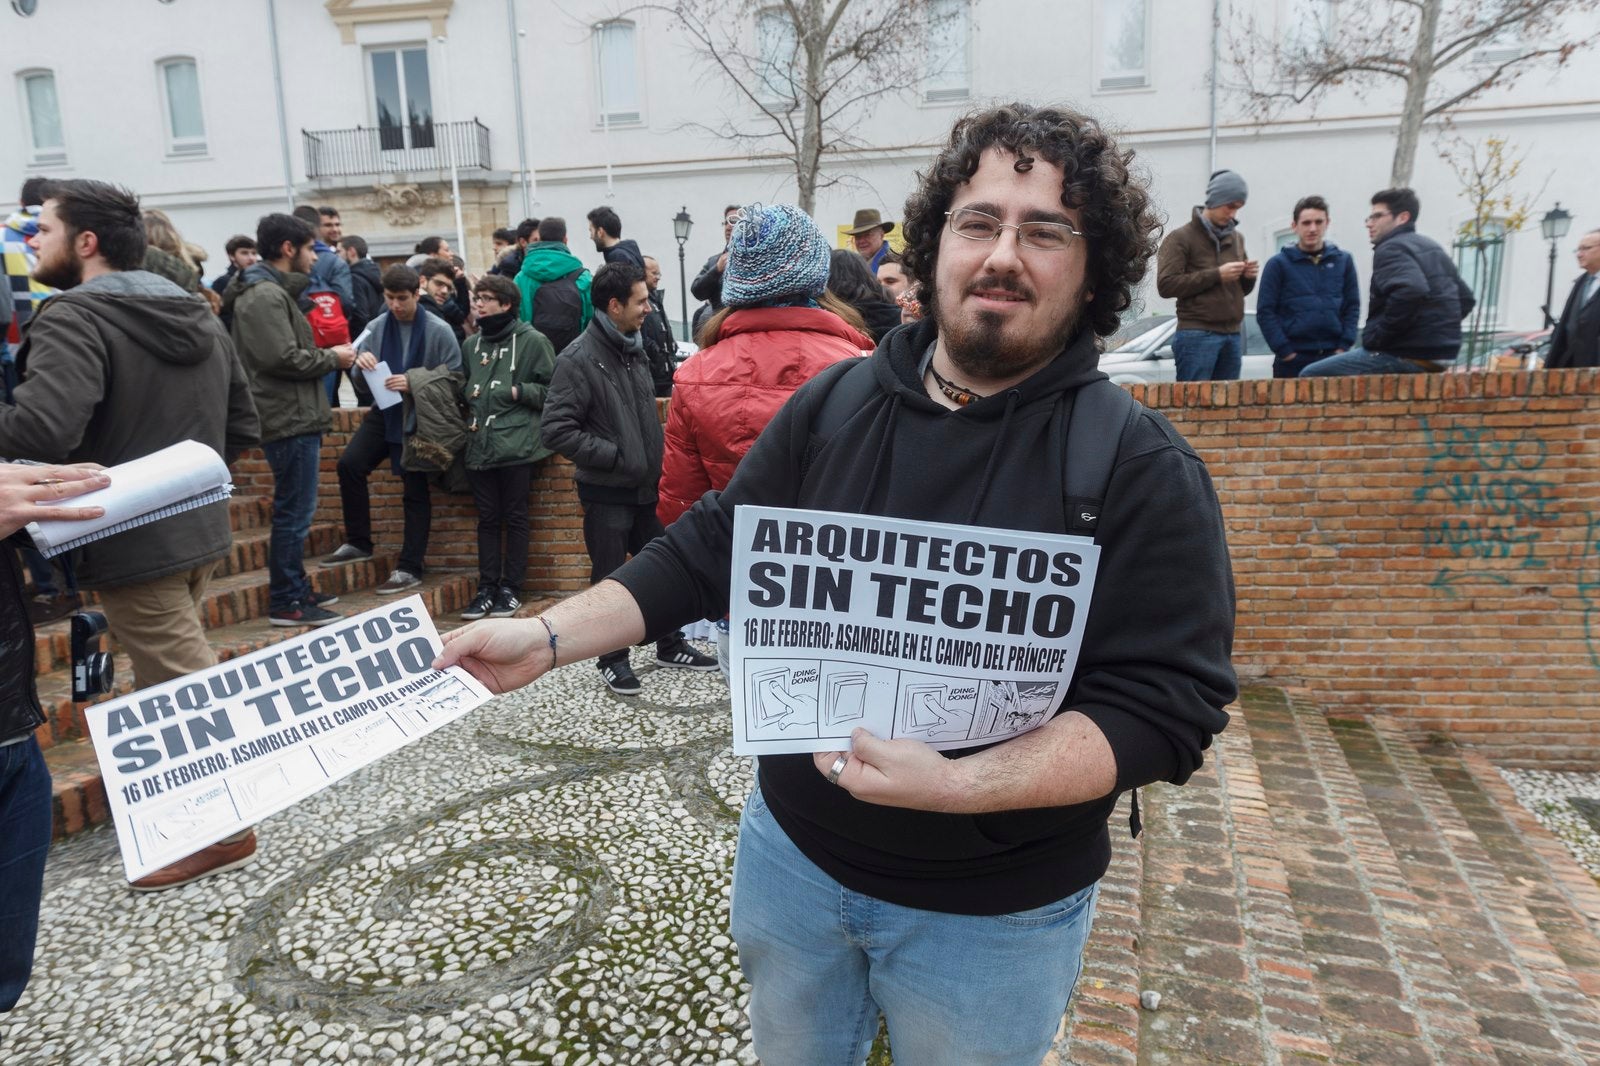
(952, 635)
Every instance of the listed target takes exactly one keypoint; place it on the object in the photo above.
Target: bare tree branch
(846, 54)
(1436, 48)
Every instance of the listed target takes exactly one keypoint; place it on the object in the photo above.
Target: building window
(1507, 43)
(44, 118)
(1123, 44)
(949, 31)
(616, 74)
(1308, 27)
(776, 48)
(186, 124)
(402, 99)
(1284, 238)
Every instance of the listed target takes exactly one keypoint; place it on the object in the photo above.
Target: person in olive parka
(508, 365)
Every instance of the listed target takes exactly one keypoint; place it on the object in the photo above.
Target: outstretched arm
(509, 654)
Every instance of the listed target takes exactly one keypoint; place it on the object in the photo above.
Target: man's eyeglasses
(1040, 236)
(1379, 214)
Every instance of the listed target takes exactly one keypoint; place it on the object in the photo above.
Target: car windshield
(1132, 331)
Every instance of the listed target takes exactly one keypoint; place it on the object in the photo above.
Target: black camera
(91, 662)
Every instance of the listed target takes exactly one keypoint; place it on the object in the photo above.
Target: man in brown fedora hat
(868, 232)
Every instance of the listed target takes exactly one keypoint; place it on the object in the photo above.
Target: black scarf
(389, 352)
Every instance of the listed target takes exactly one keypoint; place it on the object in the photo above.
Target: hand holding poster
(953, 635)
(193, 760)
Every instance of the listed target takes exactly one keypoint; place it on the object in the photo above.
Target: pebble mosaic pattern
(1565, 804)
(546, 880)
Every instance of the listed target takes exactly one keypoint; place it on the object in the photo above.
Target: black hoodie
(114, 369)
(624, 251)
(1154, 671)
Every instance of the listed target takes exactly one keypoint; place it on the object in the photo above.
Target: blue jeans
(1359, 361)
(24, 841)
(956, 989)
(1202, 355)
(1291, 368)
(294, 462)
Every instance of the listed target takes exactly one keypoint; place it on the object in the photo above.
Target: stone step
(1389, 994)
(1561, 895)
(249, 512)
(249, 551)
(1219, 941)
(79, 791)
(1525, 1001)
(228, 601)
(52, 643)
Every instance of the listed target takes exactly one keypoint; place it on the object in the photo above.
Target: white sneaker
(399, 581)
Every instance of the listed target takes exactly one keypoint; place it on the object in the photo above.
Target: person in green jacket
(508, 365)
(555, 286)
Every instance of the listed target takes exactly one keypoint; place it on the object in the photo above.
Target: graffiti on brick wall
(1589, 586)
(1500, 506)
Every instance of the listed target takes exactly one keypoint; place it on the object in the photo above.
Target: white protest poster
(382, 395)
(952, 635)
(201, 757)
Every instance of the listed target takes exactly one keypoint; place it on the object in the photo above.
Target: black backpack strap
(1100, 414)
(850, 385)
(847, 386)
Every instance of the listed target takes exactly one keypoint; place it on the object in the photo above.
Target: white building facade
(180, 101)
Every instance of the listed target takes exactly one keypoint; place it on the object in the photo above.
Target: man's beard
(64, 272)
(979, 348)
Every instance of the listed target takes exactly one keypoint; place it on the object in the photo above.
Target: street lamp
(682, 224)
(1554, 226)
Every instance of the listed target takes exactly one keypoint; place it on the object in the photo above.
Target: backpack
(329, 326)
(1099, 415)
(558, 310)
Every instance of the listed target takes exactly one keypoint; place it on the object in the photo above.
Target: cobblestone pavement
(1567, 804)
(546, 880)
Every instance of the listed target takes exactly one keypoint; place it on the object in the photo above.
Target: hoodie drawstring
(1012, 396)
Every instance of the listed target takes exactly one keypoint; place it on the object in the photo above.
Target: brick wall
(556, 559)
(1426, 547)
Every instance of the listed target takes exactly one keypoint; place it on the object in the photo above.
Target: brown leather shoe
(223, 855)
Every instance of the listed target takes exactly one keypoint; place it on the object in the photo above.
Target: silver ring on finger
(837, 768)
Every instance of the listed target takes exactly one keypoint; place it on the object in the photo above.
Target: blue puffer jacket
(1308, 303)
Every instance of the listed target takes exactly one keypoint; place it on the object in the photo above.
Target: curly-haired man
(955, 894)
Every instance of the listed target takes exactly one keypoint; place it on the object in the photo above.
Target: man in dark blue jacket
(1309, 301)
(1416, 303)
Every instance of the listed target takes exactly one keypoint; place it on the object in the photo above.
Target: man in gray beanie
(1203, 265)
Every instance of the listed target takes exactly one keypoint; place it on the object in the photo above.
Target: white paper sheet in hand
(382, 395)
(951, 635)
(193, 760)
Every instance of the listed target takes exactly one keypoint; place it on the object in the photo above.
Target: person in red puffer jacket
(778, 328)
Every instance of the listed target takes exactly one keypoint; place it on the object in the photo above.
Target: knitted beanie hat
(1226, 187)
(776, 255)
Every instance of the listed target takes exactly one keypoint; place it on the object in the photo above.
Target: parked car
(1505, 349)
(1142, 351)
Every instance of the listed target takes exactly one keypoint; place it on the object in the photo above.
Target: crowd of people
(1024, 245)
(1309, 303)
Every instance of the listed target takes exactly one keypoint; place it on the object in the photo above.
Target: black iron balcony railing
(368, 150)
